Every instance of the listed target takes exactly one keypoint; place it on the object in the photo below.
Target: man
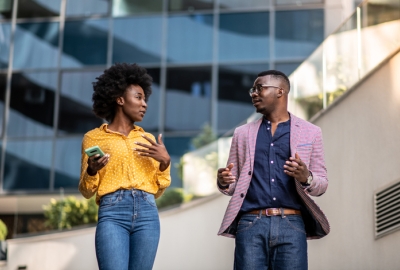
(274, 164)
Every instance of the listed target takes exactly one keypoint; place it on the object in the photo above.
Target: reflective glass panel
(86, 8)
(6, 8)
(190, 5)
(43, 45)
(85, 43)
(75, 112)
(298, 2)
(67, 162)
(298, 32)
(27, 165)
(188, 98)
(5, 33)
(38, 8)
(3, 85)
(128, 7)
(151, 119)
(234, 102)
(132, 41)
(190, 38)
(248, 4)
(287, 68)
(32, 104)
(244, 36)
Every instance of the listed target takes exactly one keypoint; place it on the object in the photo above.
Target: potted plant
(3, 244)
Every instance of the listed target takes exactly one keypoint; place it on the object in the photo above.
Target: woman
(134, 170)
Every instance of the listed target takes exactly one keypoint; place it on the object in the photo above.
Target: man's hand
(155, 150)
(296, 168)
(225, 177)
(96, 163)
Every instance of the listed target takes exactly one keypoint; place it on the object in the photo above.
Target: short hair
(113, 83)
(276, 74)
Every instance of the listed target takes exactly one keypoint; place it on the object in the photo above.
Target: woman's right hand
(96, 163)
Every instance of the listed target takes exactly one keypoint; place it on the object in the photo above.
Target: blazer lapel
(252, 139)
(295, 133)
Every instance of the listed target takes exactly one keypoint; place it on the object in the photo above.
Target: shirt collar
(105, 128)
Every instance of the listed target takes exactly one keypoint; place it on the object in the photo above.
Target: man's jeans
(271, 243)
(128, 231)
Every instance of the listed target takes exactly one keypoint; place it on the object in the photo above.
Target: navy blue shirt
(270, 187)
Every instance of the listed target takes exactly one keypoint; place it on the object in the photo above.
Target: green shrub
(69, 212)
(173, 196)
(3, 231)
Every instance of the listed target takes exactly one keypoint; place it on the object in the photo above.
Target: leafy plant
(205, 137)
(173, 196)
(3, 231)
(69, 212)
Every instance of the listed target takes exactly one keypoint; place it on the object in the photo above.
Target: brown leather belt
(275, 212)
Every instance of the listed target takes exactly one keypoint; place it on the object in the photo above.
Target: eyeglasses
(259, 87)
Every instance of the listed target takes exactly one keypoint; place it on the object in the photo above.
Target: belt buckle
(269, 212)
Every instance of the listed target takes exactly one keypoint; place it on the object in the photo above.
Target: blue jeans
(128, 231)
(271, 243)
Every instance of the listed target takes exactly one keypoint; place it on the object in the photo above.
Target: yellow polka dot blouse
(126, 169)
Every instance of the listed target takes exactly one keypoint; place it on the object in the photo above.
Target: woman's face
(133, 102)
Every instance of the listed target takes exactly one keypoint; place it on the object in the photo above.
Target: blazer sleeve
(233, 158)
(317, 167)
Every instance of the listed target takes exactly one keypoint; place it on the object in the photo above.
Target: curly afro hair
(113, 84)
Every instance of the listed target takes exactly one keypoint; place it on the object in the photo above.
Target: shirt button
(268, 128)
(249, 172)
(273, 180)
(272, 144)
(274, 199)
(242, 195)
(272, 161)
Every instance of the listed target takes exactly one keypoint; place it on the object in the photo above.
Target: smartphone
(94, 151)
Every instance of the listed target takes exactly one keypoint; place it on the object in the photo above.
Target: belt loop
(260, 214)
(282, 213)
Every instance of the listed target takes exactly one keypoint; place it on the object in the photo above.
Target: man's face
(269, 90)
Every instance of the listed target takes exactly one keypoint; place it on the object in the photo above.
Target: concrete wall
(362, 148)
(188, 241)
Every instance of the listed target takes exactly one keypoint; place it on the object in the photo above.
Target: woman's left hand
(155, 150)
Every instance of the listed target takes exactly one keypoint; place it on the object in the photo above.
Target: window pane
(67, 163)
(190, 38)
(85, 43)
(234, 102)
(287, 68)
(189, 5)
(5, 33)
(299, 32)
(75, 113)
(132, 42)
(128, 7)
(38, 8)
(6, 8)
(27, 165)
(253, 4)
(298, 2)
(32, 104)
(86, 8)
(188, 98)
(244, 36)
(152, 117)
(3, 85)
(43, 45)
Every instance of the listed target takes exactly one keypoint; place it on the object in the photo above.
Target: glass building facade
(203, 56)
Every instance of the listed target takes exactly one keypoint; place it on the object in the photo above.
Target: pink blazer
(306, 140)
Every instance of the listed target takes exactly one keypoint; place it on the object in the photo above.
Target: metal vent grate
(387, 210)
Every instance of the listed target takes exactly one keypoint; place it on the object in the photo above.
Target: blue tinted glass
(237, 4)
(298, 32)
(190, 38)
(27, 165)
(5, 33)
(32, 104)
(128, 7)
(38, 8)
(244, 36)
(3, 83)
(188, 98)
(137, 40)
(86, 8)
(234, 102)
(297, 2)
(75, 112)
(67, 165)
(6, 8)
(42, 51)
(151, 119)
(190, 5)
(287, 68)
(85, 43)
